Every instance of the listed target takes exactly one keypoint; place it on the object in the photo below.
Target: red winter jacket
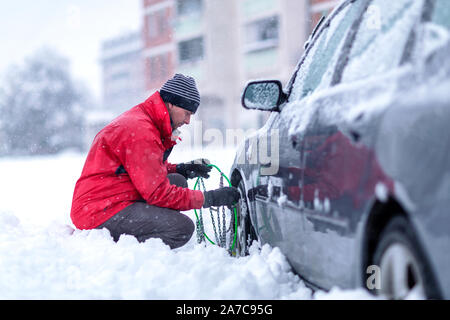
(136, 140)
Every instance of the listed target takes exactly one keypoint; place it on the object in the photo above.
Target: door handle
(356, 136)
(260, 191)
(294, 142)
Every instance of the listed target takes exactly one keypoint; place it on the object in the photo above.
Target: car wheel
(403, 269)
(245, 231)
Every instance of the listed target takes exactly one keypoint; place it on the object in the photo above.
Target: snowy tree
(41, 107)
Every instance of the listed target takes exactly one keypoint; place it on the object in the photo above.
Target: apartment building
(122, 65)
(206, 38)
(272, 37)
(272, 33)
(159, 47)
(223, 45)
(123, 81)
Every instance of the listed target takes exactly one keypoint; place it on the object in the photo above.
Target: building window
(190, 50)
(188, 7)
(119, 76)
(158, 24)
(262, 34)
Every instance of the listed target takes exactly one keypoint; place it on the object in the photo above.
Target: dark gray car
(350, 176)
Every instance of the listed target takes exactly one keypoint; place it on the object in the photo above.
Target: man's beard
(172, 124)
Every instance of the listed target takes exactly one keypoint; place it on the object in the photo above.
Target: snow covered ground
(42, 257)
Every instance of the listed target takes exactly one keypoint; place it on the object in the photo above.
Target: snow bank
(43, 257)
(57, 262)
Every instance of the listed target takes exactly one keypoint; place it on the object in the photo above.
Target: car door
(341, 170)
(271, 198)
(265, 149)
(285, 199)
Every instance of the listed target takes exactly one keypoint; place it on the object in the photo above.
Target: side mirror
(263, 95)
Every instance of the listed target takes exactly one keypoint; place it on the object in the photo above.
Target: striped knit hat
(182, 92)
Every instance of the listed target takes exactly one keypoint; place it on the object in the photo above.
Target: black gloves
(221, 197)
(194, 169)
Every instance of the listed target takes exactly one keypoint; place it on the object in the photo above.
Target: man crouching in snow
(128, 187)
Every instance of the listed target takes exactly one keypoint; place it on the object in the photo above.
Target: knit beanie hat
(182, 92)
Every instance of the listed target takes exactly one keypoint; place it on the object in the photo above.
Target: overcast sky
(75, 28)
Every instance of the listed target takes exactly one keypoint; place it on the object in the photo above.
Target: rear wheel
(403, 268)
(245, 232)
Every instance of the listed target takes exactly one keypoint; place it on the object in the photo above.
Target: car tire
(404, 272)
(245, 232)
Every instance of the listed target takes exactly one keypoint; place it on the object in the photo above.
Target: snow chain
(220, 233)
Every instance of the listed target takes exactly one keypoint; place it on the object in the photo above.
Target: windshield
(441, 14)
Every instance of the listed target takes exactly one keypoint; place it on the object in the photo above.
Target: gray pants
(144, 221)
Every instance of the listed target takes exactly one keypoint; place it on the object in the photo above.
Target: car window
(317, 69)
(382, 37)
(441, 14)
